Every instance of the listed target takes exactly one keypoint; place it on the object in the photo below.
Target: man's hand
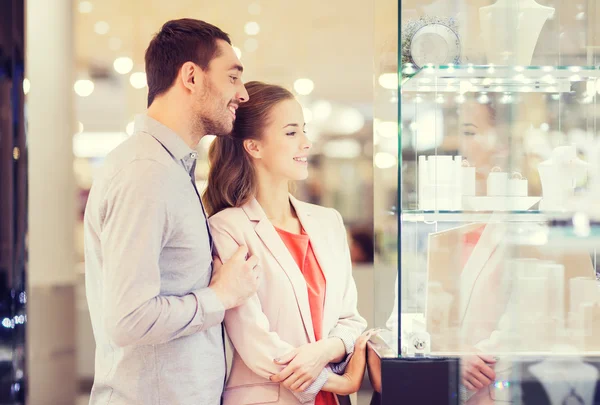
(477, 371)
(303, 365)
(236, 280)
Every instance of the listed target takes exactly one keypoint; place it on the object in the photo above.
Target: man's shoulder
(140, 146)
(140, 157)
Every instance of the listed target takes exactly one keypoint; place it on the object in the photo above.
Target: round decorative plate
(434, 43)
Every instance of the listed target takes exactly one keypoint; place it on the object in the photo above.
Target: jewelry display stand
(494, 228)
(513, 46)
(567, 381)
(559, 176)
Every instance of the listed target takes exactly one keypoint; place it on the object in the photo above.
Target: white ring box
(497, 184)
(517, 187)
(440, 182)
(468, 181)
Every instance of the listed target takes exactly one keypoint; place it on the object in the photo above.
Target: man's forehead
(227, 56)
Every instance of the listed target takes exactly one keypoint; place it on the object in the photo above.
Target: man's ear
(253, 148)
(190, 76)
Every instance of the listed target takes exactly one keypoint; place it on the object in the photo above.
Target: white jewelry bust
(564, 378)
(559, 176)
(510, 30)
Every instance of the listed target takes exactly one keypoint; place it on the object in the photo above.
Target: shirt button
(193, 155)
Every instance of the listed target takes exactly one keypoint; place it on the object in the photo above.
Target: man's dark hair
(177, 42)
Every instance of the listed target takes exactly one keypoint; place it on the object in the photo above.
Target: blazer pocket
(251, 394)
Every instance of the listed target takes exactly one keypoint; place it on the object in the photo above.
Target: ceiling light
(321, 110)
(254, 9)
(238, 52)
(96, 144)
(26, 86)
(114, 44)
(85, 7)
(251, 45)
(304, 86)
(387, 129)
(101, 28)
(308, 115)
(385, 160)
(389, 81)
(252, 28)
(342, 149)
(138, 80)
(123, 65)
(84, 87)
(130, 128)
(350, 121)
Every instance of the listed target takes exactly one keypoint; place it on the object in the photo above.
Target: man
(156, 312)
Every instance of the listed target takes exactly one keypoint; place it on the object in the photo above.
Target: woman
(292, 337)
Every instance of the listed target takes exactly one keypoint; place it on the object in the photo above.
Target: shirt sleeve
(135, 228)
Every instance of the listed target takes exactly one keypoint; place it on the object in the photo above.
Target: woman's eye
(291, 133)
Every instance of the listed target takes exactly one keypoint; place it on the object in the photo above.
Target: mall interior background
(82, 83)
(82, 86)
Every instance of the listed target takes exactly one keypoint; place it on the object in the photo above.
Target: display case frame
(525, 204)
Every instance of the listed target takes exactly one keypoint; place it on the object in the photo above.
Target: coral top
(302, 252)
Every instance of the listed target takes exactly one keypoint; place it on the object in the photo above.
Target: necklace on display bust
(567, 381)
(573, 398)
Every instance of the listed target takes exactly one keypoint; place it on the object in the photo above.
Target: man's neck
(176, 120)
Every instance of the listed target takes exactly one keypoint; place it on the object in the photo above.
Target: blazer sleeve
(248, 327)
(350, 324)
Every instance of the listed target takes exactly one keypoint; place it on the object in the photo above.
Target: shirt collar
(173, 142)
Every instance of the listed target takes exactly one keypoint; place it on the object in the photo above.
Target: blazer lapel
(482, 257)
(322, 249)
(269, 236)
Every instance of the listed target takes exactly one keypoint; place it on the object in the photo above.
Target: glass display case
(489, 207)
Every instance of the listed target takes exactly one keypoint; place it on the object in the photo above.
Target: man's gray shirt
(148, 263)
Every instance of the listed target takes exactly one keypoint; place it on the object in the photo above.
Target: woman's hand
(351, 380)
(303, 365)
(477, 371)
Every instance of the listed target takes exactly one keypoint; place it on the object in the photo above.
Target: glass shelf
(474, 216)
(499, 79)
(559, 239)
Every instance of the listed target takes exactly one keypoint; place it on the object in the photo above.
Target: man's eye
(233, 79)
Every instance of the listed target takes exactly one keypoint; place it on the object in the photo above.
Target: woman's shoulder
(229, 217)
(318, 211)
